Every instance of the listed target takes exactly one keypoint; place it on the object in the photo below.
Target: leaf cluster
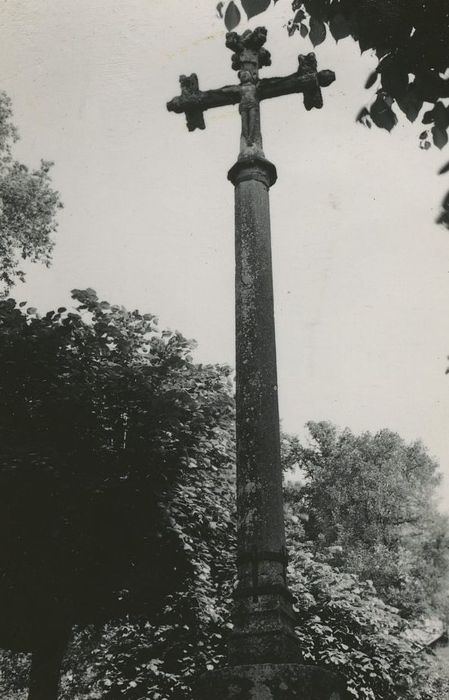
(28, 207)
(343, 624)
(100, 415)
(117, 514)
(372, 498)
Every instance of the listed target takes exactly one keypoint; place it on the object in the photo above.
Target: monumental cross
(263, 651)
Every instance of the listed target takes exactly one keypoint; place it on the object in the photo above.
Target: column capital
(253, 167)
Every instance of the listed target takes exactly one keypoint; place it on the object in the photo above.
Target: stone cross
(248, 57)
(263, 615)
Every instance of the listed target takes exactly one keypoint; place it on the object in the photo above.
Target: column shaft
(263, 616)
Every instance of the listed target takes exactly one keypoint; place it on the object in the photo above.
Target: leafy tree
(409, 38)
(136, 659)
(116, 516)
(100, 415)
(372, 498)
(28, 207)
(342, 623)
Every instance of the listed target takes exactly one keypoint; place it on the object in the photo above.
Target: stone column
(264, 655)
(263, 616)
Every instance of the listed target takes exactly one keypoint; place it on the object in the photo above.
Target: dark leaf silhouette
(299, 17)
(439, 136)
(371, 79)
(410, 103)
(428, 117)
(317, 32)
(318, 9)
(339, 27)
(255, 7)
(232, 16)
(381, 112)
(444, 169)
(441, 115)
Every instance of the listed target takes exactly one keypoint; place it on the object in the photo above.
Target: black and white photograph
(224, 350)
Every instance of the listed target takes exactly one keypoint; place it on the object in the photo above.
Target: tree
(371, 498)
(342, 623)
(28, 207)
(100, 416)
(409, 38)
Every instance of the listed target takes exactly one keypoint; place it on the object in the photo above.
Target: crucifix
(263, 636)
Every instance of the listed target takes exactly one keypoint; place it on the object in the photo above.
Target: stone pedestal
(271, 682)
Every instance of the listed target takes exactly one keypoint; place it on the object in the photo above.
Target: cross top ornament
(248, 49)
(249, 55)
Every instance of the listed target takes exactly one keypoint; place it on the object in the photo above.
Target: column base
(271, 682)
(264, 647)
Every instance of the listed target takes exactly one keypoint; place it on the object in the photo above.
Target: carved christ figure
(249, 109)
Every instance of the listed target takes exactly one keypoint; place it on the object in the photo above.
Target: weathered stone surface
(271, 682)
(263, 616)
(260, 524)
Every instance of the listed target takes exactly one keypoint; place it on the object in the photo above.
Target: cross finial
(248, 49)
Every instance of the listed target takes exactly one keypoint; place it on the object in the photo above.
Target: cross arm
(194, 102)
(207, 99)
(306, 80)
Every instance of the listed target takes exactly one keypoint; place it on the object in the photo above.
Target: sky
(361, 271)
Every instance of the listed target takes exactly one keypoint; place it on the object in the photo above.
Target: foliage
(345, 626)
(100, 415)
(28, 207)
(342, 622)
(371, 498)
(138, 659)
(409, 38)
(116, 467)
(342, 625)
(134, 658)
(14, 671)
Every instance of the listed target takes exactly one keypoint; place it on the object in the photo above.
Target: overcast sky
(361, 270)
